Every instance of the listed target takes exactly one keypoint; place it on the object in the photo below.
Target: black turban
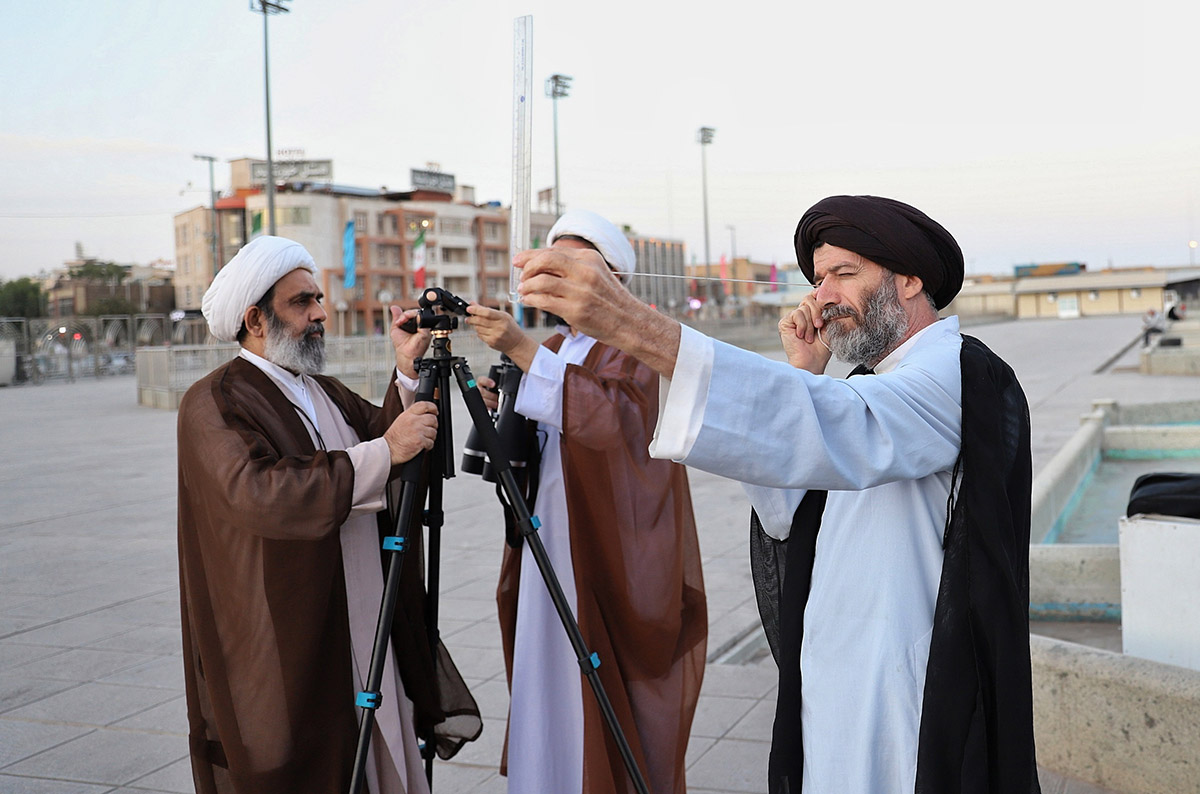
(890, 233)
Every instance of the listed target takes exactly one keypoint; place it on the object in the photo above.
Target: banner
(419, 261)
(724, 275)
(256, 223)
(774, 277)
(348, 255)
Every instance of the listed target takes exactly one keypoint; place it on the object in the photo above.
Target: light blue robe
(884, 447)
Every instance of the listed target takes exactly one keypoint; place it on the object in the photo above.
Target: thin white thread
(822, 341)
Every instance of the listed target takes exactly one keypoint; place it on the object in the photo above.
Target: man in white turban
(619, 530)
(282, 477)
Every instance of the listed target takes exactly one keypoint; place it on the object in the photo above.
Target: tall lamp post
(267, 8)
(212, 203)
(1192, 251)
(705, 136)
(732, 257)
(557, 86)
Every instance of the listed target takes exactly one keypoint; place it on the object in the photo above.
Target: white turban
(248, 276)
(610, 241)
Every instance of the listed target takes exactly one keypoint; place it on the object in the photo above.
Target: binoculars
(510, 426)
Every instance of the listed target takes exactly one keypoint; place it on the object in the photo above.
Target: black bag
(1167, 493)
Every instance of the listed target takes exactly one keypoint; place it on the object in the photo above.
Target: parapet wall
(1115, 721)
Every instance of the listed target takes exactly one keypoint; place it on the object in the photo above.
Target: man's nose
(319, 315)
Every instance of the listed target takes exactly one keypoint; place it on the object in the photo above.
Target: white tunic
(545, 728)
(884, 447)
(395, 765)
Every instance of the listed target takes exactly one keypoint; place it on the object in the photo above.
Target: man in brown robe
(282, 477)
(619, 530)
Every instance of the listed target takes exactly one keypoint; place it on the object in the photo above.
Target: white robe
(545, 728)
(395, 765)
(884, 447)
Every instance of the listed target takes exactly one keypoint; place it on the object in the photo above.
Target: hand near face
(409, 346)
(800, 333)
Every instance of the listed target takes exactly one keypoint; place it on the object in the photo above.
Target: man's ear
(256, 322)
(909, 286)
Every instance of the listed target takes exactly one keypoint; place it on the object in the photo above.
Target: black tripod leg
(370, 698)
(527, 525)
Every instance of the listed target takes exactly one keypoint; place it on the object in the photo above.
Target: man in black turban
(902, 637)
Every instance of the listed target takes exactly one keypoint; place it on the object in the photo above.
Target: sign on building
(432, 180)
(292, 171)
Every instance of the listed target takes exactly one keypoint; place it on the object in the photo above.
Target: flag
(724, 275)
(774, 277)
(419, 260)
(256, 219)
(348, 255)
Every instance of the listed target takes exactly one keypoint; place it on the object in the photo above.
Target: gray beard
(875, 334)
(303, 354)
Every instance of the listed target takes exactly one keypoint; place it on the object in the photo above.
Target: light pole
(212, 203)
(557, 86)
(266, 8)
(1192, 251)
(705, 136)
(732, 257)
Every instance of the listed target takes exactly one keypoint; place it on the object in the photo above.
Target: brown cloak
(636, 560)
(266, 638)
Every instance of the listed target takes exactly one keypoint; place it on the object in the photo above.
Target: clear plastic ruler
(518, 220)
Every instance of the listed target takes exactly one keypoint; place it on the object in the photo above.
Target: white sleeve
(775, 508)
(372, 462)
(540, 395)
(681, 398)
(767, 423)
(407, 388)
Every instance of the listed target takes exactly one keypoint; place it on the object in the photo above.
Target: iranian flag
(419, 261)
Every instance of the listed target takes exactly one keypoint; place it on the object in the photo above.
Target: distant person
(282, 474)
(897, 503)
(1152, 323)
(619, 530)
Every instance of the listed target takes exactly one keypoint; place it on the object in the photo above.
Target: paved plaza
(91, 684)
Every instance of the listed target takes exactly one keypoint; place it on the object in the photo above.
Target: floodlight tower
(267, 8)
(557, 86)
(705, 137)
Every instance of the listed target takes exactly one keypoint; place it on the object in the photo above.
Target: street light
(705, 136)
(732, 257)
(266, 8)
(1192, 251)
(212, 203)
(557, 86)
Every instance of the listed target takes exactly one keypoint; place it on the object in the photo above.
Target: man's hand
(409, 347)
(500, 332)
(487, 390)
(413, 431)
(800, 333)
(577, 285)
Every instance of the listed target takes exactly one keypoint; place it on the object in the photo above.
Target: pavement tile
(165, 672)
(13, 654)
(18, 690)
(732, 765)
(20, 739)
(157, 640)
(73, 633)
(739, 681)
(107, 756)
(715, 714)
(13, 784)
(169, 717)
(92, 704)
(175, 778)
(83, 664)
(757, 723)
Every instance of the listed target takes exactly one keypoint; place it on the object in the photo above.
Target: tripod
(433, 381)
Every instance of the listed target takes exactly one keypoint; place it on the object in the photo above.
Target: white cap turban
(248, 276)
(610, 241)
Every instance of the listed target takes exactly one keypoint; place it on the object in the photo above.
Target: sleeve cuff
(682, 398)
(372, 462)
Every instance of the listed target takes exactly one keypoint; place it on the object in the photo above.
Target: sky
(1034, 131)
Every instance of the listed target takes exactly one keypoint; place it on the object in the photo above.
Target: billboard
(292, 171)
(432, 180)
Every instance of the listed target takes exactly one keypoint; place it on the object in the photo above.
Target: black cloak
(976, 731)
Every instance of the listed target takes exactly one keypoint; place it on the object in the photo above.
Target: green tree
(108, 272)
(21, 298)
(112, 305)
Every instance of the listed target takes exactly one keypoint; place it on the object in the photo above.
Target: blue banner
(348, 255)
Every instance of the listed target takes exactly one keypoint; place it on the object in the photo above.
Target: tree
(21, 298)
(108, 272)
(112, 305)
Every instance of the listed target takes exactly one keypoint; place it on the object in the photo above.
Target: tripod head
(430, 301)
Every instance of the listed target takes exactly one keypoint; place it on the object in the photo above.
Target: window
(360, 223)
(295, 216)
(1094, 295)
(494, 260)
(1135, 293)
(497, 287)
(1051, 297)
(388, 225)
(493, 232)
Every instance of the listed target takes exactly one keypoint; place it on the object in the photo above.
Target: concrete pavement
(91, 690)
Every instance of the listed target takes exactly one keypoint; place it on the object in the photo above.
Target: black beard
(876, 332)
(304, 355)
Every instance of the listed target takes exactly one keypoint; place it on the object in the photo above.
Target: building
(664, 258)
(466, 245)
(743, 283)
(1081, 294)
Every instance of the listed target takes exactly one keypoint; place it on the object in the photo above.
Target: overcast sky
(1034, 131)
